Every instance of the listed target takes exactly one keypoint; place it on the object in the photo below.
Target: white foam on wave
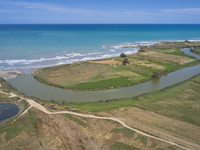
(193, 40)
(25, 61)
(23, 64)
(131, 52)
(146, 42)
(112, 50)
(117, 46)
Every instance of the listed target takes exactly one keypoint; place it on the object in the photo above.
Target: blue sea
(25, 47)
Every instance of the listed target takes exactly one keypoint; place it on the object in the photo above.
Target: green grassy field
(126, 132)
(123, 146)
(180, 101)
(27, 123)
(195, 50)
(88, 75)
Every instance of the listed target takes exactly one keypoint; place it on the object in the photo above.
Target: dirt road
(40, 107)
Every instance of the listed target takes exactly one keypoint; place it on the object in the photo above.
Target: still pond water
(8, 111)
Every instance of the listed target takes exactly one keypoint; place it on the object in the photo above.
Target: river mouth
(8, 111)
(31, 87)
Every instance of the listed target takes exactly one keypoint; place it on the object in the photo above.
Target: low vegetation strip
(75, 119)
(126, 132)
(123, 146)
(179, 101)
(121, 71)
(196, 50)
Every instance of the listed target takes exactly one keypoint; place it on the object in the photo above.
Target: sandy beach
(9, 74)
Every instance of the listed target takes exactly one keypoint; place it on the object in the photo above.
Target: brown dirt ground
(110, 62)
(58, 132)
(158, 125)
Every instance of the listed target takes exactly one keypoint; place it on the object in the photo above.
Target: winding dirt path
(40, 107)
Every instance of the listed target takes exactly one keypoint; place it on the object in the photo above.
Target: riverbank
(10, 74)
(173, 111)
(150, 62)
(5, 98)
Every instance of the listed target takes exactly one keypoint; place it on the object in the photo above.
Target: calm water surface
(8, 110)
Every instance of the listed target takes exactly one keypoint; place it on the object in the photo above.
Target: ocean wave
(117, 46)
(25, 61)
(24, 65)
(193, 40)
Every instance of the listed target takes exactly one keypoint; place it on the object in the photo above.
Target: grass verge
(179, 101)
(126, 132)
(27, 123)
(69, 116)
(123, 146)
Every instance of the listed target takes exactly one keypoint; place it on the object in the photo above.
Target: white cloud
(22, 6)
(182, 11)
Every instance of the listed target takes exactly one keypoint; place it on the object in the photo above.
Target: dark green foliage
(122, 55)
(125, 61)
(54, 101)
(156, 75)
(141, 50)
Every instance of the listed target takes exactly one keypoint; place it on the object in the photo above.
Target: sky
(99, 11)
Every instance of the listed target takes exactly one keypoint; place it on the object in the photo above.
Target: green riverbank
(151, 62)
(179, 101)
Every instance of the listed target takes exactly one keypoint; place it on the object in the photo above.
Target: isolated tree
(125, 61)
(122, 55)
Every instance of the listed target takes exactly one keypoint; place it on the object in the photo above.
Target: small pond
(8, 111)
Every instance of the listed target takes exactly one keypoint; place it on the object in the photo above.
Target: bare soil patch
(110, 62)
(171, 129)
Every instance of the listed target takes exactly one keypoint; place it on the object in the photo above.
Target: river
(31, 87)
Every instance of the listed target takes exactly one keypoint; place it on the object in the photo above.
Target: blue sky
(99, 11)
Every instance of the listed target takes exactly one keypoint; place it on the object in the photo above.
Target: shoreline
(143, 50)
(10, 74)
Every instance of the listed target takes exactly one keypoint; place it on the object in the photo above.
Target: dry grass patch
(110, 62)
(175, 58)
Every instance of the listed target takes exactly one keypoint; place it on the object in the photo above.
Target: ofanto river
(30, 86)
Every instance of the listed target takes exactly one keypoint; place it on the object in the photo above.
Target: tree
(125, 61)
(122, 55)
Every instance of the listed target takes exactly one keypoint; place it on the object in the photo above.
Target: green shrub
(122, 55)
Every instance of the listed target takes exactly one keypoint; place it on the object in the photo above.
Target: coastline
(178, 58)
